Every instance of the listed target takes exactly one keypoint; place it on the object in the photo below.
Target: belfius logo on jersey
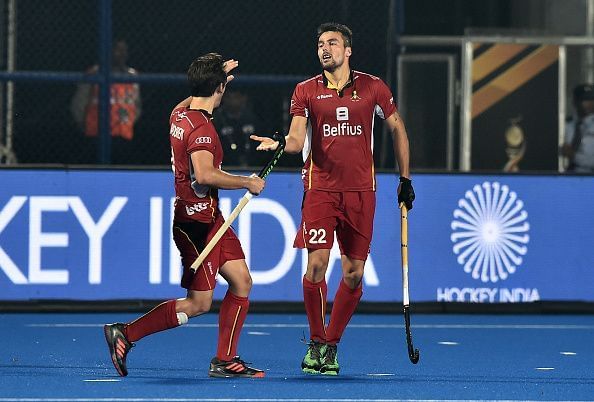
(343, 128)
(490, 239)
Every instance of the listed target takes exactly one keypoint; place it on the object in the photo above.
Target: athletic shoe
(233, 368)
(119, 346)
(330, 361)
(312, 362)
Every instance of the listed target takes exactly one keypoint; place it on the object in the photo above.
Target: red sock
(158, 319)
(345, 303)
(314, 298)
(231, 317)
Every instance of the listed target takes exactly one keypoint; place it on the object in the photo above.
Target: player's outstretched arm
(295, 139)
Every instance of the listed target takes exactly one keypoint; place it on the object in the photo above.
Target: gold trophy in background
(515, 145)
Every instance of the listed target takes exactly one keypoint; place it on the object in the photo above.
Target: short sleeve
(299, 102)
(384, 103)
(171, 116)
(202, 138)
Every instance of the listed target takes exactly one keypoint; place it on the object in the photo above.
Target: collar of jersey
(204, 112)
(329, 85)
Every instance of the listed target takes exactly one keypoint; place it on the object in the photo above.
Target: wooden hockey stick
(242, 203)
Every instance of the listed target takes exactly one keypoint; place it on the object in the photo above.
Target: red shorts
(349, 213)
(191, 238)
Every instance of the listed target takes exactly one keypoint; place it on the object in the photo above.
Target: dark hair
(345, 31)
(205, 74)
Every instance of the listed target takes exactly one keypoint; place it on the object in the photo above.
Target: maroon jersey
(338, 150)
(190, 131)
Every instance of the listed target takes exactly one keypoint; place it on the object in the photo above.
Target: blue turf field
(46, 357)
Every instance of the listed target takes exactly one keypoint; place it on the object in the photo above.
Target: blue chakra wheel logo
(490, 232)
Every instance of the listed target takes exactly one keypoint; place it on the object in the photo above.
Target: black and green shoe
(313, 358)
(330, 361)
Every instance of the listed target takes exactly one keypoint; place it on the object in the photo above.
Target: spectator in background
(235, 121)
(579, 131)
(125, 106)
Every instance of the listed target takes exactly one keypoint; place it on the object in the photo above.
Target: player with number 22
(332, 125)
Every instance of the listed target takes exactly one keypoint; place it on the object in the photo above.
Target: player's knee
(198, 307)
(248, 283)
(353, 275)
(316, 269)
(242, 284)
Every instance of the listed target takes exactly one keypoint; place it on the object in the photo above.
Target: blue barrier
(105, 235)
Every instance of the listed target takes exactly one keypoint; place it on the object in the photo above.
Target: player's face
(332, 52)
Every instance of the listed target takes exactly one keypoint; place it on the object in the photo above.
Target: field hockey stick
(413, 354)
(242, 203)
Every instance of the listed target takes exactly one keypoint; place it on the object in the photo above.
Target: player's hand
(406, 194)
(228, 66)
(266, 143)
(255, 184)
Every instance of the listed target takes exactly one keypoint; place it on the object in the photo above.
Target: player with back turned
(332, 125)
(196, 157)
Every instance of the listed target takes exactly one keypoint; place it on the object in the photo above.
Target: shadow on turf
(16, 369)
(365, 379)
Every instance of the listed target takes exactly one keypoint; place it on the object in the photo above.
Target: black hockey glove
(406, 193)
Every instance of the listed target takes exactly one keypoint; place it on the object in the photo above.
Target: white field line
(360, 326)
(255, 400)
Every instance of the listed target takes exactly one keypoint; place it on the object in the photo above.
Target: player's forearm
(223, 180)
(295, 139)
(401, 151)
(292, 146)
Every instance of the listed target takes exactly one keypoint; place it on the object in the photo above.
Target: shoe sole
(112, 351)
(307, 370)
(329, 372)
(219, 375)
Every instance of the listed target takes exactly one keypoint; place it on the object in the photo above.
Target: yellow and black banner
(514, 107)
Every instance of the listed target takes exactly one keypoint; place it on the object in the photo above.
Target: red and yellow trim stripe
(197, 254)
(323, 310)
(233, 330)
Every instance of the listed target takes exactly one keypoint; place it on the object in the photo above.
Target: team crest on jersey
(355, 97)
